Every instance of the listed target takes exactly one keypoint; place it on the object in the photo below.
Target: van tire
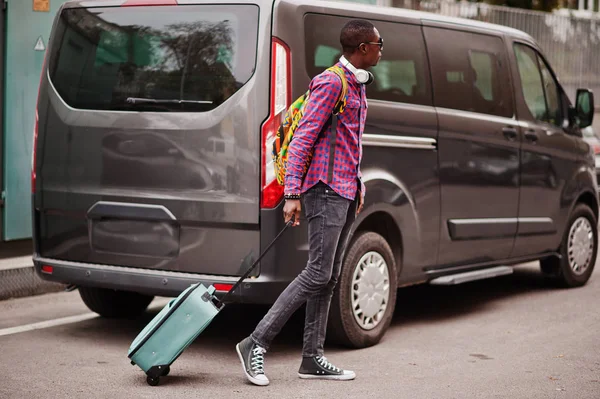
(114, 304)
(560, 268)
(343, 328)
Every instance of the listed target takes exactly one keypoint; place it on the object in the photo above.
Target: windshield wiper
(136, 100)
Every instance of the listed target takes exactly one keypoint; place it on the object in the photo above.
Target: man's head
(361, 43)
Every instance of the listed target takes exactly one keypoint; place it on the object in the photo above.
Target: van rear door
(148, 134)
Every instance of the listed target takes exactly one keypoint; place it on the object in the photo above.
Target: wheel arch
(590, 200)
(383, 223)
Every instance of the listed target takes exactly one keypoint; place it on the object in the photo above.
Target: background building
(24, 29)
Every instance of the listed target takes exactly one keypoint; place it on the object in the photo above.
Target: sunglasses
(378, 43)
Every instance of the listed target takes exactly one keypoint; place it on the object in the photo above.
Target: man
(332, 199)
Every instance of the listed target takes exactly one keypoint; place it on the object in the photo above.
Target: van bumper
(260, 290)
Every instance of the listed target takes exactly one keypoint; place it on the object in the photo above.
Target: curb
(23, 281)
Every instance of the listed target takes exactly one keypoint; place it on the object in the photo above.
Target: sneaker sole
(345, 377)
(248, 376)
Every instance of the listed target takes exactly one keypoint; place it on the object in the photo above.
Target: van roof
(417, 16)
(382, 12)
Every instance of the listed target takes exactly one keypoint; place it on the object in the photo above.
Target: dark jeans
(329, 219)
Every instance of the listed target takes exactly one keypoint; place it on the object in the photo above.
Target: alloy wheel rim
(370, 290)
(580, 245)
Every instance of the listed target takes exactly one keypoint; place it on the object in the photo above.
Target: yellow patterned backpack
(292, 118)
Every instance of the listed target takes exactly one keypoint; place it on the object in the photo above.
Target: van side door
(478, 144)
(550, 155)
(399, 161)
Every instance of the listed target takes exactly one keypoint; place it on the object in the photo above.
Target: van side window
(469, 71)
(402, 73)
(539, 87)
(531, 82)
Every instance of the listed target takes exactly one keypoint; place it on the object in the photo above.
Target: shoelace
(323, 362)
(258, 360)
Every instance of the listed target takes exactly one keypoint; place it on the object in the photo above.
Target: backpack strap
(340, 105)
(332, 142)
(338, 108)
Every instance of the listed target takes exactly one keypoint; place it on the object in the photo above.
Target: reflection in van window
(469, 72)
(483, 66)
(402, 73)
(552, 95)
(326, 56)
(187, 58)
(455, 76)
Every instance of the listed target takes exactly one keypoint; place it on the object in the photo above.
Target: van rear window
(161, 59)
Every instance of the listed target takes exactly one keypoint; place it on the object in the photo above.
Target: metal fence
(571, 44)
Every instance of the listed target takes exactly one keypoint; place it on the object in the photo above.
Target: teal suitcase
(178, 324)
(172, 330)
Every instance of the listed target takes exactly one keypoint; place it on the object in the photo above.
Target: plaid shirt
(313, 131)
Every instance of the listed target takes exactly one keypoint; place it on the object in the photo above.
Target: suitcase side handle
(209, 297)
(251, 268)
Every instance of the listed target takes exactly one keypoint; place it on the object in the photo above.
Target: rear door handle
(531, 135)
(510, 133)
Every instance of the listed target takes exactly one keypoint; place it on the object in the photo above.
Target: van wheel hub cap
(581, 245)
(370, 290)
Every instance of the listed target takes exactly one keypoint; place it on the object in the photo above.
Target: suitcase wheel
(153, 381)
(166, 371)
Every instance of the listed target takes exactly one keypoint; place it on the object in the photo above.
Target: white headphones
(363, 76)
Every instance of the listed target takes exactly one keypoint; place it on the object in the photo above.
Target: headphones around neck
(364, 77)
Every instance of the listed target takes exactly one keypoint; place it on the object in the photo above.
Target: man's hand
(292, 208)
(361, 202)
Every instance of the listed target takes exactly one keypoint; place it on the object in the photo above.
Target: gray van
(152, 166)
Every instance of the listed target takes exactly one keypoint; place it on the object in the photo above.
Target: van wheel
(114, 304)
(578, 250)
(365, 297)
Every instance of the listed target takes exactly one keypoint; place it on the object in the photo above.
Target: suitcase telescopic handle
(247, 273)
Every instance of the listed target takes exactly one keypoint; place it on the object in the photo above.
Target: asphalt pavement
(515, 336)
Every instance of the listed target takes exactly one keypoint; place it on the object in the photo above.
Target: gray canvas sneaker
(318, 367)
(252, 357)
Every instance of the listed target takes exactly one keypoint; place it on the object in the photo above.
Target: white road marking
(47, 324)
(157, 304)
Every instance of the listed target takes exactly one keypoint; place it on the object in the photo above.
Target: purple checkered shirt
(313, 131)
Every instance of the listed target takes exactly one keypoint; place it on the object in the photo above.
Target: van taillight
(280, 100)
(223, 287)
(47, 269)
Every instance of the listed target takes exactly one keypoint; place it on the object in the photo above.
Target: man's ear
(363, 48)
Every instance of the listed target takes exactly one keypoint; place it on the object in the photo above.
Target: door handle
(510, 133)
(531, 135)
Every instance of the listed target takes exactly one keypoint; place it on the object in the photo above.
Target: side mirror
(584, 108)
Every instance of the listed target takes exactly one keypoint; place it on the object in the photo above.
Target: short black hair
(354, 33)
